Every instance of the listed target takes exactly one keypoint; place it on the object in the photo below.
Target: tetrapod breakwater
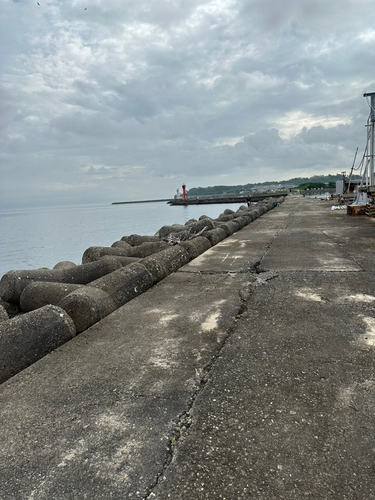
(42, 309)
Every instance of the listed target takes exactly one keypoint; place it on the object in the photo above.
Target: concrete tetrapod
(3, 313)
(256, 213)
(120, 244)
(64, 264)
(124, 261)
(193, 228)
(144, 250)
(200, 228)
(216, 235)
(14, 282)
(196, 246)
(241, 221)
(135, 239)
(27, 338)
(233, 225)
(163, 263)
(93, 302)
(224, 225)
(248, 216)
(226, 217)
(263, 209)
(41, 293)
(11, 309)
(164, 231)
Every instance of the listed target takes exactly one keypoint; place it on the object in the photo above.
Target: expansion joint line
(345, 252)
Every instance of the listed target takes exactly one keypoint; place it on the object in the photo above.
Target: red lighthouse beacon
(184, 195)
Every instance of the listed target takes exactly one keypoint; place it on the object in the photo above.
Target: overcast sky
(114, 100)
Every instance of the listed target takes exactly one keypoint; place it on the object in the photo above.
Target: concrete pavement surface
(249, 373)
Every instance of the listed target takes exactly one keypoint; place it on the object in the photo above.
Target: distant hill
(320, 180)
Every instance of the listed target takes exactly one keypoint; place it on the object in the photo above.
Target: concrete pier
(247, 373)
(235, 198)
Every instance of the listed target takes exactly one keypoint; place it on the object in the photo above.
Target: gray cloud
(127, 98)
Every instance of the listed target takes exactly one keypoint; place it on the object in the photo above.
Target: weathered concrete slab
(358, 242)
(243, 250)
(92, 419)
(307, 245)
(297, 250)
(288, 411)
(238, 253)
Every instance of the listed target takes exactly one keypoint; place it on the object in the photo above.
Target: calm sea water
(42, 237)
(319, 195)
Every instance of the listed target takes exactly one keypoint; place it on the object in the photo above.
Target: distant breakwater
(139, 201)
(44, 308)
(209, 200)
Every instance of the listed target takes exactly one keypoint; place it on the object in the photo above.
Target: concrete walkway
(218, 383)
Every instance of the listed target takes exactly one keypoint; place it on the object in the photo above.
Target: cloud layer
(127, 100)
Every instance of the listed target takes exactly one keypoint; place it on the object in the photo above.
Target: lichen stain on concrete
(368, 337)
(198, 260)
(163, 355)
(73, 453)
(357, 396)
(117, 466)
(167, 318)
(163, 317)
(226, 242)
(329, 259)
(360, 297)
(106, 466)
(156, 310)
(211, 321)
(197, 354)
(345, 396)
(39, 491)
(112, 421)
(306, 293)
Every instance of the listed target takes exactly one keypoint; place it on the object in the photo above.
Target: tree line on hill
(302, 183)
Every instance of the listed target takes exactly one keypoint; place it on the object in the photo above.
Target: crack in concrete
(219, 273)
(184, 420)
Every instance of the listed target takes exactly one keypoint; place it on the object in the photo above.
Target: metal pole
(372, 137)
(372, 181)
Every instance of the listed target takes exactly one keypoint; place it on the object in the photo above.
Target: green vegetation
(316, 185)
(322, 181)
(312, 185)
(220, 190)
